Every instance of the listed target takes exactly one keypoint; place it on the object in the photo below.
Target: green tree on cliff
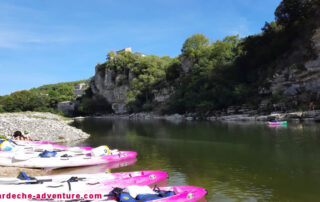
(148, 71)
(292, 12)
(195, 46)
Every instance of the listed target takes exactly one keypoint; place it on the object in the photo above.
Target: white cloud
(12, 39)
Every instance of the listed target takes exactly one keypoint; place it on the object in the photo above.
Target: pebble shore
(42, 126)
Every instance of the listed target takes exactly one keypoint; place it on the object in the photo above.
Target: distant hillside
(43, 98)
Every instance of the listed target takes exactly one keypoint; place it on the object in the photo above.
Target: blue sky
(50, 41)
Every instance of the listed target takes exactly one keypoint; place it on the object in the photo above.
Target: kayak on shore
(58, 156)
(80, 182)
(63, 159)
(11, 145)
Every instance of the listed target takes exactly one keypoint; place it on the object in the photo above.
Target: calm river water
(234, 162)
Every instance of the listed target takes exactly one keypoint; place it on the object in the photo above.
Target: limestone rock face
(67, 107)
(162, 95)
(113, 88)
(186, 63)
(294, 81)
(79, 89)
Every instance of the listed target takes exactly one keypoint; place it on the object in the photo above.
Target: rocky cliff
(297, 84)
(115, 87)
(112, 87)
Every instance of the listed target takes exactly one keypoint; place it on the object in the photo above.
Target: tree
(291, 12)
(195, 46)
(227, 50)
(147, 70)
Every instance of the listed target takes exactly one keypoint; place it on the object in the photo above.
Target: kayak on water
(80, 182)
(278, 123)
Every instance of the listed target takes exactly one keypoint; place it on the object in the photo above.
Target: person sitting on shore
(18, 136)
(27, 135)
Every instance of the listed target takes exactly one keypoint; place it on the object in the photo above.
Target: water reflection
(102, 168)
(232, 161)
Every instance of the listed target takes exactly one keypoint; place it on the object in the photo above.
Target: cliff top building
(129, 49)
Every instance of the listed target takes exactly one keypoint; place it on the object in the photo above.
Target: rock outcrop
(112, 87)
(79, 89)
(299, 82)
(163, 94)
(291, 116)
(67, 107)
(42, 126)
(186, 64)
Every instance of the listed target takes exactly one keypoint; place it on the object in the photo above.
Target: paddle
(18, 181)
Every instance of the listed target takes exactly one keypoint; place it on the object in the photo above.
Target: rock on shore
(42, 126)
(143, 116)
(305, 116)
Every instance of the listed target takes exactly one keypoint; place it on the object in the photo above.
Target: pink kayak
(278, 123)
(184, 193)
(162, 194)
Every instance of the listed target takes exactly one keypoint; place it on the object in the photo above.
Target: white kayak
(9, 145)
(63, 159)
(47, 155)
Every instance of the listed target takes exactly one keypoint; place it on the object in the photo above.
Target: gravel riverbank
(42, 126)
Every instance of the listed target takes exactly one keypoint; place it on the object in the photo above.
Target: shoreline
(43, 126)
(306, 116)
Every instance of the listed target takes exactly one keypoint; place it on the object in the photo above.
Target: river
(234, 162)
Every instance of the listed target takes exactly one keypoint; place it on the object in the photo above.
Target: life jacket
(48, 154)
(123, 196)
(150, 197)
(5, 145)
